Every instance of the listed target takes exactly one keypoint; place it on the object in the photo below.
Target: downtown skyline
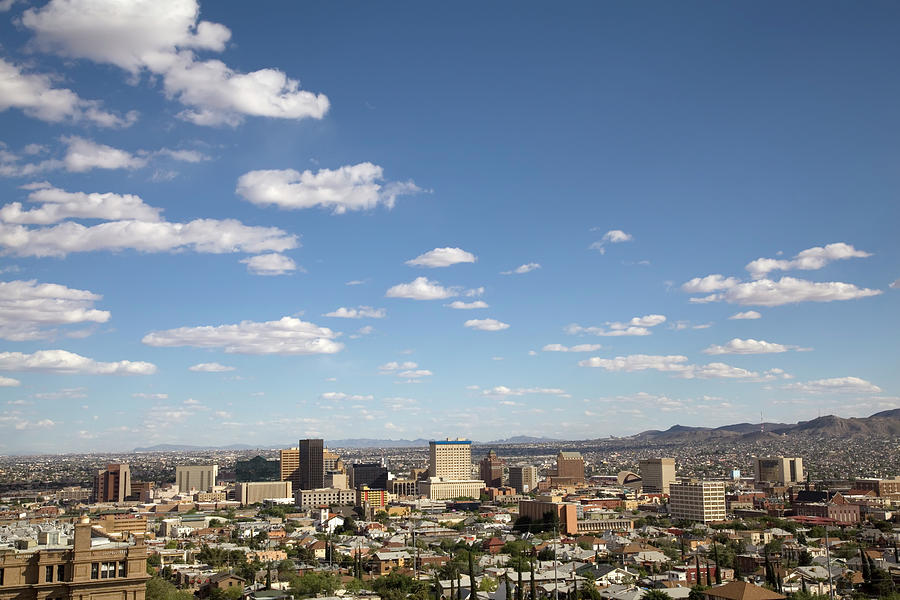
(222, 225)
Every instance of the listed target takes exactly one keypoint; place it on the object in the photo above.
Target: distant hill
(187, 448)
(372, 443)
(521, 439)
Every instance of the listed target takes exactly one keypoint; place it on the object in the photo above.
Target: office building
(699, 501)
(373, 475)
(569, 469)
(254, 492)
(196, 478)
(307, 499)
(289, 462)
(778, 470)
(883, 488)
(549, 509)
(337, 479)
(373, 498)
(81, 571)
(437, 488)
(257, 468)
(331, 461)
(523, 479)
(657, 474)
(312, 464)
(112, 484)
(450, 459)
(491, 470)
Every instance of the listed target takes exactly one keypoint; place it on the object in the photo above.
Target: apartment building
(523, 479)
(699, 501)
(657, 474)
(196, 478)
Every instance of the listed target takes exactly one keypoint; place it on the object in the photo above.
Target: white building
(700, 501)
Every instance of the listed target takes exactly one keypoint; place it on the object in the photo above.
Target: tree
(160, 589)
(314, 583)
(397, 586)
(488, 584)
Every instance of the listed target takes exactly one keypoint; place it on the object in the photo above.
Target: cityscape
(449, 301)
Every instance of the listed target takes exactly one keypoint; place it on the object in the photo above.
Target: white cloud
(212, 367)
(27, 307)
(421, 288)
(788, 290)
(415, 373)
(37, 97)
(150, 396)
(63, 362)
(526, 268)
(393, 366)
(160, 36)
(83, 155)
(65, 393)
(748, 346)
(343, 396)
(9, 382)
(288, 335)
(351, 187)
(460, 305)
(807, 260)
(486, 324)
(835, 385)
(749, 314)
(613, 236)
(357, 313)
(895, 284)
(504, 391)
(576, 348)
(270, 264)
(58, 205)
(637, 362)
(710, 283)
(636, 326)
(442, 257)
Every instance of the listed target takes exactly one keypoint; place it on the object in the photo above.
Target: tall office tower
(491, 470)
(332, 461)
(657, 474)
(700, 501)
(312, 464)
(373, 475)
(523, 479)
(569, 468)
(290, 466)
(201, 478)
(450, 459)
(778, 469)
(112, 484)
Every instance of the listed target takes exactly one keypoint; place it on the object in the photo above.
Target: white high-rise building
(199, 478)
(700, 501)
(450, 459)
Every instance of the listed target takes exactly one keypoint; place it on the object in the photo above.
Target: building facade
(699, 501)
(523, 479)
(289, 460)
(437, 488)
(373, 475)
(199, 478)
(778, 469)
(312, 464)
(657, 474)
(569, 469)
(324, 497)
(450, 459)
(112, 484)
(254, 492)
(491, 470)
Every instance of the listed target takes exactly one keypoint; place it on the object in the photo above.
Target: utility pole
(555, 563)
(828, 565)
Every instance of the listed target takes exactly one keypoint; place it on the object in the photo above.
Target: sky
(254, 223)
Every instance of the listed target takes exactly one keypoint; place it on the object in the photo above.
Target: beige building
(404, 487)
(324, 497)
(450, 459)
(331, 461)
(112, 484)
(523, 479)
(255, 492)
(700, 501)
(336, 479)
(778, 469)
(81, 571)
(290, 466)
(657, 474)
(196, 478)
(437, 488)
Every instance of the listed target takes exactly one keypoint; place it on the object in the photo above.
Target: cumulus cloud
(36, 96)
(486, 324)
(287, 336)
(342, 396)
(69, 363)
(211, 367)
(270, 264)
(57, 205)
(28, 307)
(680, 367)
(748, 346)
(442, 257)
(357, 313)
(749, 314)
(415, 373)
(613, 236)
(83, 155)
(835, 385)
(808, 260)
(160, 37)
(347, 188)
(636, 326)
(526, 268)
(504, 391)
(895, 284)
(394, 366)
(9, 382)
(150, 396)
(576, 348)
(710, 283)
(460, 305)
(787, 290)
(421, 288)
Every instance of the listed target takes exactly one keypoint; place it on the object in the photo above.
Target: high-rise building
(450, 459)
(491, 470)
(112, 484)
(657, 474)
(700, 501)
(312, 464)
(257, 468)
(254, 492)
(200, 478)
(290, 466)
(523, 479)
(332, 461)
(569, 469)
(372, 475)
(778, 469)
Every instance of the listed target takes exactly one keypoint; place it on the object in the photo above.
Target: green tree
(160, 589)
(313, 583)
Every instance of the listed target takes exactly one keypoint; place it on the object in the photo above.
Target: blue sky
(222, 224)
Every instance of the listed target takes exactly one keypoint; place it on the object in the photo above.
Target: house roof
(741, 590)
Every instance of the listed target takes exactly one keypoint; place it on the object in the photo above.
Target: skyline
(414, 223)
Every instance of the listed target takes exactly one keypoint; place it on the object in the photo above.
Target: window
(123, 568)
(48, 573)
(60, 572)
(95, 570)
(1, 576)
